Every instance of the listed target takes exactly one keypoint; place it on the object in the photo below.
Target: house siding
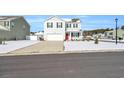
(17, 32)
(60, 34)
(57, 33)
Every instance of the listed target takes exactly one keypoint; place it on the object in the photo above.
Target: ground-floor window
(75, 34)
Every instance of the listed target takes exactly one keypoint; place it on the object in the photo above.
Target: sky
(88, 22)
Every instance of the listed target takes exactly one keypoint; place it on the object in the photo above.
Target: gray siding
(18, 31)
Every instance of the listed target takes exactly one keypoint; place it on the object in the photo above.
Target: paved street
(87, 65)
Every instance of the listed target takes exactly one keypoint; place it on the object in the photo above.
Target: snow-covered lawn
(88, 46)
(13, 45)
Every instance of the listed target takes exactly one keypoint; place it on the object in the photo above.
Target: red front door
(66, 36)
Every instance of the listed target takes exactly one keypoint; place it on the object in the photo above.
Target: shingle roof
(53, 17)
(8, 17)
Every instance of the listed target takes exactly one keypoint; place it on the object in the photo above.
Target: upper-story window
(49, 25)
(111, 33)
(59, 24)
(68, 25)
(75, 25)
(13, 24)
(6, 23)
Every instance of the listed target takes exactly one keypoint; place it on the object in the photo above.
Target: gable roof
(65, 19)
(54, 17)
(2, 18)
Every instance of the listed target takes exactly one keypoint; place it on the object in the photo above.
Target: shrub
(96, 41)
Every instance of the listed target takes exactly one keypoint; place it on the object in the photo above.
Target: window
(67, 25)
(13, 24)
(111, 33)
(59, 24)
(6, 23)
(76, 25)
(70, 25)
(49, 25)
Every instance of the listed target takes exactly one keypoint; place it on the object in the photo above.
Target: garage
(55, 37)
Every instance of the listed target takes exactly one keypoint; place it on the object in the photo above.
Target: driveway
(41, 47)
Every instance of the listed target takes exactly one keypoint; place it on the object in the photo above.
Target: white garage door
(55, 37)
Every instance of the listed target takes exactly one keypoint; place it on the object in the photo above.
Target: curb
(65, 52)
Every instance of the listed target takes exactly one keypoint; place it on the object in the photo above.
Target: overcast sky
(88, 22)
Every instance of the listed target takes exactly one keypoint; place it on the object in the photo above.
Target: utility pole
(116, 20)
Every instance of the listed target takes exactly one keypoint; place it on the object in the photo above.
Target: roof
(8, 17)
(53, 17)
(3, 28)
(65, 19)
(72, 20)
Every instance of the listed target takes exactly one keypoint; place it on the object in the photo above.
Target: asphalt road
(87, 65)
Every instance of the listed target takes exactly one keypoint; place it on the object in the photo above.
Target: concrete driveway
(42, 47)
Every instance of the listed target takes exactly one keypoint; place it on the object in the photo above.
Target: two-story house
(73, 29)
(14, 28)
(56, 29)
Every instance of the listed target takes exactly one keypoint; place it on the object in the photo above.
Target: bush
(96, 41)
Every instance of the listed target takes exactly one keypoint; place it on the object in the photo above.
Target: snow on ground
(88, 46)
(112, 40)
(13, 45)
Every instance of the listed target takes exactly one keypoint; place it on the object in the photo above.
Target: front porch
(73, 36)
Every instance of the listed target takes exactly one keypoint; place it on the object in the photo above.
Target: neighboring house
(13, 28)
(99, 35)
(56, 29)
(109, 34)
(112, 34)
(120, 34)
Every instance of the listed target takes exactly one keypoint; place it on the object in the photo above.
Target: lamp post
(116, 20)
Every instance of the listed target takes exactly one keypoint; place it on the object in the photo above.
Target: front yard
(13, 45)
(89, 46)
(44, 47)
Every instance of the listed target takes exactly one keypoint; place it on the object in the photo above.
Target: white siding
(54, 34)
(70, 29)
